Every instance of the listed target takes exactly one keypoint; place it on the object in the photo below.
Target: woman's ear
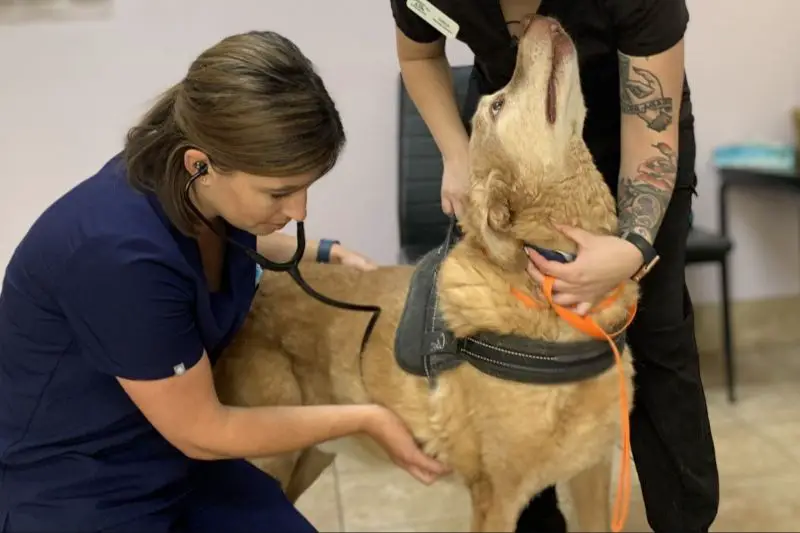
(193, 160)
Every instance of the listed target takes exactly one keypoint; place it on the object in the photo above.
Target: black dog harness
(424, 346)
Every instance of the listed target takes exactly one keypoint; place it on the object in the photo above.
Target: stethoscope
(292, 266)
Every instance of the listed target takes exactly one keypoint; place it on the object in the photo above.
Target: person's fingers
(424, 461)
(553, 269)
(534, 273)
(366, 265)
(458, 210)
(437, 467)
(457, 207)
(565, 298)
(429, 469)
(579, 235)
(559, 285)
(583, 308)
(536, 259)
(358, 261)
(447, 204)
(420, 475)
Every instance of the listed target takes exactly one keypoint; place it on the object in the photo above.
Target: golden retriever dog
(506, 437)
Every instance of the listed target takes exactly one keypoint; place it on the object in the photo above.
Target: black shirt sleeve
(648, 27)
(412, 25)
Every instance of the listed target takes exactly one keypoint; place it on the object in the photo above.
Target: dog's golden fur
(506, 440)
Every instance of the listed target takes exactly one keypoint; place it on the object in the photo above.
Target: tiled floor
(758, 453)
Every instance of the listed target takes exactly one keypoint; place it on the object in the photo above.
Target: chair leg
(730, 369)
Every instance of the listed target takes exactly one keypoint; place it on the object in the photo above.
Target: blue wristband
(324, 250)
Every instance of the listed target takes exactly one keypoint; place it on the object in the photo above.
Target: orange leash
(587, 325)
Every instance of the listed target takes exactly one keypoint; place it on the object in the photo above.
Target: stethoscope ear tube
(292, 266)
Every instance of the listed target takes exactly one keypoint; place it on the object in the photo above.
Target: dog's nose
(527, 20)
(539, 20)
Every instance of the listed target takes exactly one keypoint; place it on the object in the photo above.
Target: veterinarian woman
(639, 129)
(117, 302)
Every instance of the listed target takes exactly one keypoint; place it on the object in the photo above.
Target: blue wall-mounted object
(764, 157)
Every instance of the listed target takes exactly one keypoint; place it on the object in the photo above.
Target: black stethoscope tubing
(292, 266)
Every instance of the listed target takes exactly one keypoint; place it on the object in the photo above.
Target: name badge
(434, 16)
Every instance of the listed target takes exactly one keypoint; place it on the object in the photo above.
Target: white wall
(744, 70)
(70, 89)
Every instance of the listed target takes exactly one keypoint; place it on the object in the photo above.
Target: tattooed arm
(650, 98)
(649, 35)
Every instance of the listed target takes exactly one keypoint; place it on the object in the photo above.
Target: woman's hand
(455, 181)
(602, 263)
(393, 436)
(342, 256)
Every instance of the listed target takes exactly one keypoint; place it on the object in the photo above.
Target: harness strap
(587, 325)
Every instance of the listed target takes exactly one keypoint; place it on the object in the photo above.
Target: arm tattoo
(641, 94)
(643, 199)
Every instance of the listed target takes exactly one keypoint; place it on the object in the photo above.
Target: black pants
(670, 432)
(233, 496)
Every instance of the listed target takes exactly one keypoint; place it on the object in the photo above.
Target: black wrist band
(648, 252)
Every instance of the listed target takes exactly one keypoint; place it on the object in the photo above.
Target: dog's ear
(492, 215)
(491, 206)
(498, 203)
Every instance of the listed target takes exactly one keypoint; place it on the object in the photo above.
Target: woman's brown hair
(253, 103)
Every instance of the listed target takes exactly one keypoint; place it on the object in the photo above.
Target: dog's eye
(497, 105)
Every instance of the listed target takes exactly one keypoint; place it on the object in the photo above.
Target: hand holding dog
(343, 256)
(389, 431)
(455, 182)
(602, 263)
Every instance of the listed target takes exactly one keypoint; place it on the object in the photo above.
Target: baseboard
(753, 323)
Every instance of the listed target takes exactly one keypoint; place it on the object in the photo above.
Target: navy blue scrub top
(102, 286)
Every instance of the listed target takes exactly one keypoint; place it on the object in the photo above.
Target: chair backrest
(422, 222)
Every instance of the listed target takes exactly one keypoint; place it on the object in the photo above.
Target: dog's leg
(311, 464)
(481, 495)
(590, 491)
(502, 515)
(499, 509)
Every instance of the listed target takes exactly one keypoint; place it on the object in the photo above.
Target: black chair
(704, 246)
(423, 226)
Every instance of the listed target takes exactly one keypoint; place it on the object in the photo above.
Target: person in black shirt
(640, 131)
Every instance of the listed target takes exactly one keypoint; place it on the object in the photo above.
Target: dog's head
(524, 138)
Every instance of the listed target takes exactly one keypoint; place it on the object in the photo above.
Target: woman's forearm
(244, 432)
(280, 247)
(430, 85)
